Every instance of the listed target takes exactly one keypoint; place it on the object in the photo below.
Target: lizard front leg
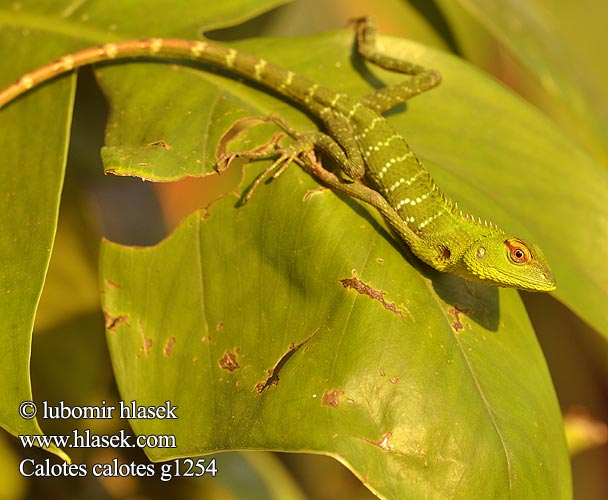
(342, 151)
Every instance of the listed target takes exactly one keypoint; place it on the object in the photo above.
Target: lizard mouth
(541, 280)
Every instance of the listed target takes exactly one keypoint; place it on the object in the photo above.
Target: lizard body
(363, 144)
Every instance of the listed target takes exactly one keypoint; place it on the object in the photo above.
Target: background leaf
(31, 183)
(559, 47)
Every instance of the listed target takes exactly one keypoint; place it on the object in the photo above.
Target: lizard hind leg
(420, 78)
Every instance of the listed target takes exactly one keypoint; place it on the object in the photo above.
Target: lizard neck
(443, 231)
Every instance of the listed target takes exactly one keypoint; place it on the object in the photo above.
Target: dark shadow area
(478, 302)
(431, 12)
(324, 478)
(576, 357)
(255, 27)
(128, 209)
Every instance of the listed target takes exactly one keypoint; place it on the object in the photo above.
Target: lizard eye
(519, 253)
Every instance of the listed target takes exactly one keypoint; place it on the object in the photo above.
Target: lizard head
(509, 262)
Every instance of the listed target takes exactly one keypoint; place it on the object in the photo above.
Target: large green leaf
(34, 135)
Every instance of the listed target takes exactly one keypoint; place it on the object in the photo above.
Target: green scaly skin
(382, 169)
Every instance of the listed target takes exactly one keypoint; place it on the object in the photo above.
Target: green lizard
(381, 168)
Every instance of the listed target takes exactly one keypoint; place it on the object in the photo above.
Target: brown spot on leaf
(220, 326)
(273, 373)
(311, 192)
(272, 379)
(456, 312)
(146, 341)
(228, 362)
(110, 283)
(364, 289)
(331, 398)
(111, 322)
(161, 144)
(382, 443)
(168, 349)
(206, 338)
(394, 380)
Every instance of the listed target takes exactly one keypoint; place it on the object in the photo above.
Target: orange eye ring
(519, 253)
